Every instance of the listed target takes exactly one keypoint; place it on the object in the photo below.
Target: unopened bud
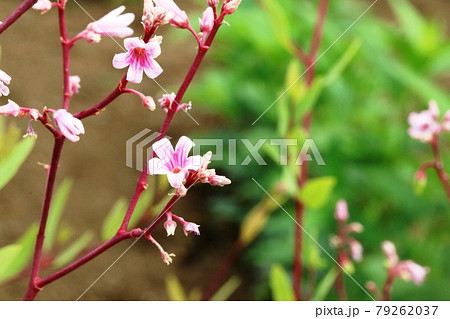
(149, 103)
(231, 6)
(213, 3)
(341, 212)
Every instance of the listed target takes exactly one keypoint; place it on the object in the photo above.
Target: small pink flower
(11, 109)
(34, 114)
(154, 16)
(389, 250)
(140, 58)
(180, 18)
(5, 80)
(74, 84)
(230, 6)
(191, 228)
(423, 126)
(42, 5)
(355, 228)
(149, 103)
(207, 21)
(70, 126)
(174, 163)
(408, 269)
(341, 213)
(170, 227)
(114, 24)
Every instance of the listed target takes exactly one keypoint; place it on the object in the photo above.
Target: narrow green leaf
(174, 288)
(114, 219)
(20, 260)
(317, 191)
(280, 284)
(11, 163)
(348, 56)
(325, 285)
(227, 289)
(8, 255)
(280, 23)
(73, 250)
(59, 202)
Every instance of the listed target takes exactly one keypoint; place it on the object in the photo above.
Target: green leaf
(325, 285)
(16, 262)
(175, 289)
(59, 202)
(114, 219)
(73, 250)
(317, 191)
(227, 289)
(280, 284)
(8, 255)
(11, 163)
(411, 21)
(280, 24)
(340, 66)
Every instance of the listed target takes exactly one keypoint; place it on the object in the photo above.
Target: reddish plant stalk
(438, 165)
(309, 60)
(339, 283)
(37, 284)
(387, 287)
(66, 46)
(33, 287)
(16, 14)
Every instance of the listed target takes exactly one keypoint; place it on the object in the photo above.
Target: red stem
(439, 166)
(66, 46)
(16, 14)
(388, 286)
(297, 267)
(33, 287)
(339, 283)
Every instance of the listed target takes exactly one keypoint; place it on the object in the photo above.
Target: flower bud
(149, 103)
(191, 227)
(11, 109)
(341, 212)
(213, 3)
(408, 270)
(231, 6)
(170, 226)
(389, 250)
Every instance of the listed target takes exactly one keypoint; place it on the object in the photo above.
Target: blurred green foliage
(366, 85)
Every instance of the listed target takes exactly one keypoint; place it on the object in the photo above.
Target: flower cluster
(424, 126)
(343, 240)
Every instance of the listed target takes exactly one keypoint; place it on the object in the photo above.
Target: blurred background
(392, 62)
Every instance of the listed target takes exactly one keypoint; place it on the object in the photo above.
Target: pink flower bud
(42, 5)
(5, 80)
(213, 3)
(191, 228)
(410, 270)
(446, 122)
(218, 180)
(155, 16)
(166, 101)
(231, 6)
(170, 227)
(207, 21)
(341, 212)
(355, 228)
(149, 103)
(389, 250)
(70, 126)
(74, 84)
(356, 250)
(11, 109)
(180, 18)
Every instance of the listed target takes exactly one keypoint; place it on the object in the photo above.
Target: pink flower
(230, 6)
(191, 228)
(446, 122)
(11, 109)
(114, 24)
(155, 16)
(341, 212)
(70, 126)
(140, 58)
(174, 164)
(5, 80)
(423, 126)
(42, 5)
(408, 269)
(356, 250)
(207, 21)
(180, 18)
(74, 84)
(170, 225)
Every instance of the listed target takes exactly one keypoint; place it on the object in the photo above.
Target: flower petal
(135, 73)
(163, 148)
(153, 69)
(182, 149)
(120, 61)
(157, 166)
(175, 179)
